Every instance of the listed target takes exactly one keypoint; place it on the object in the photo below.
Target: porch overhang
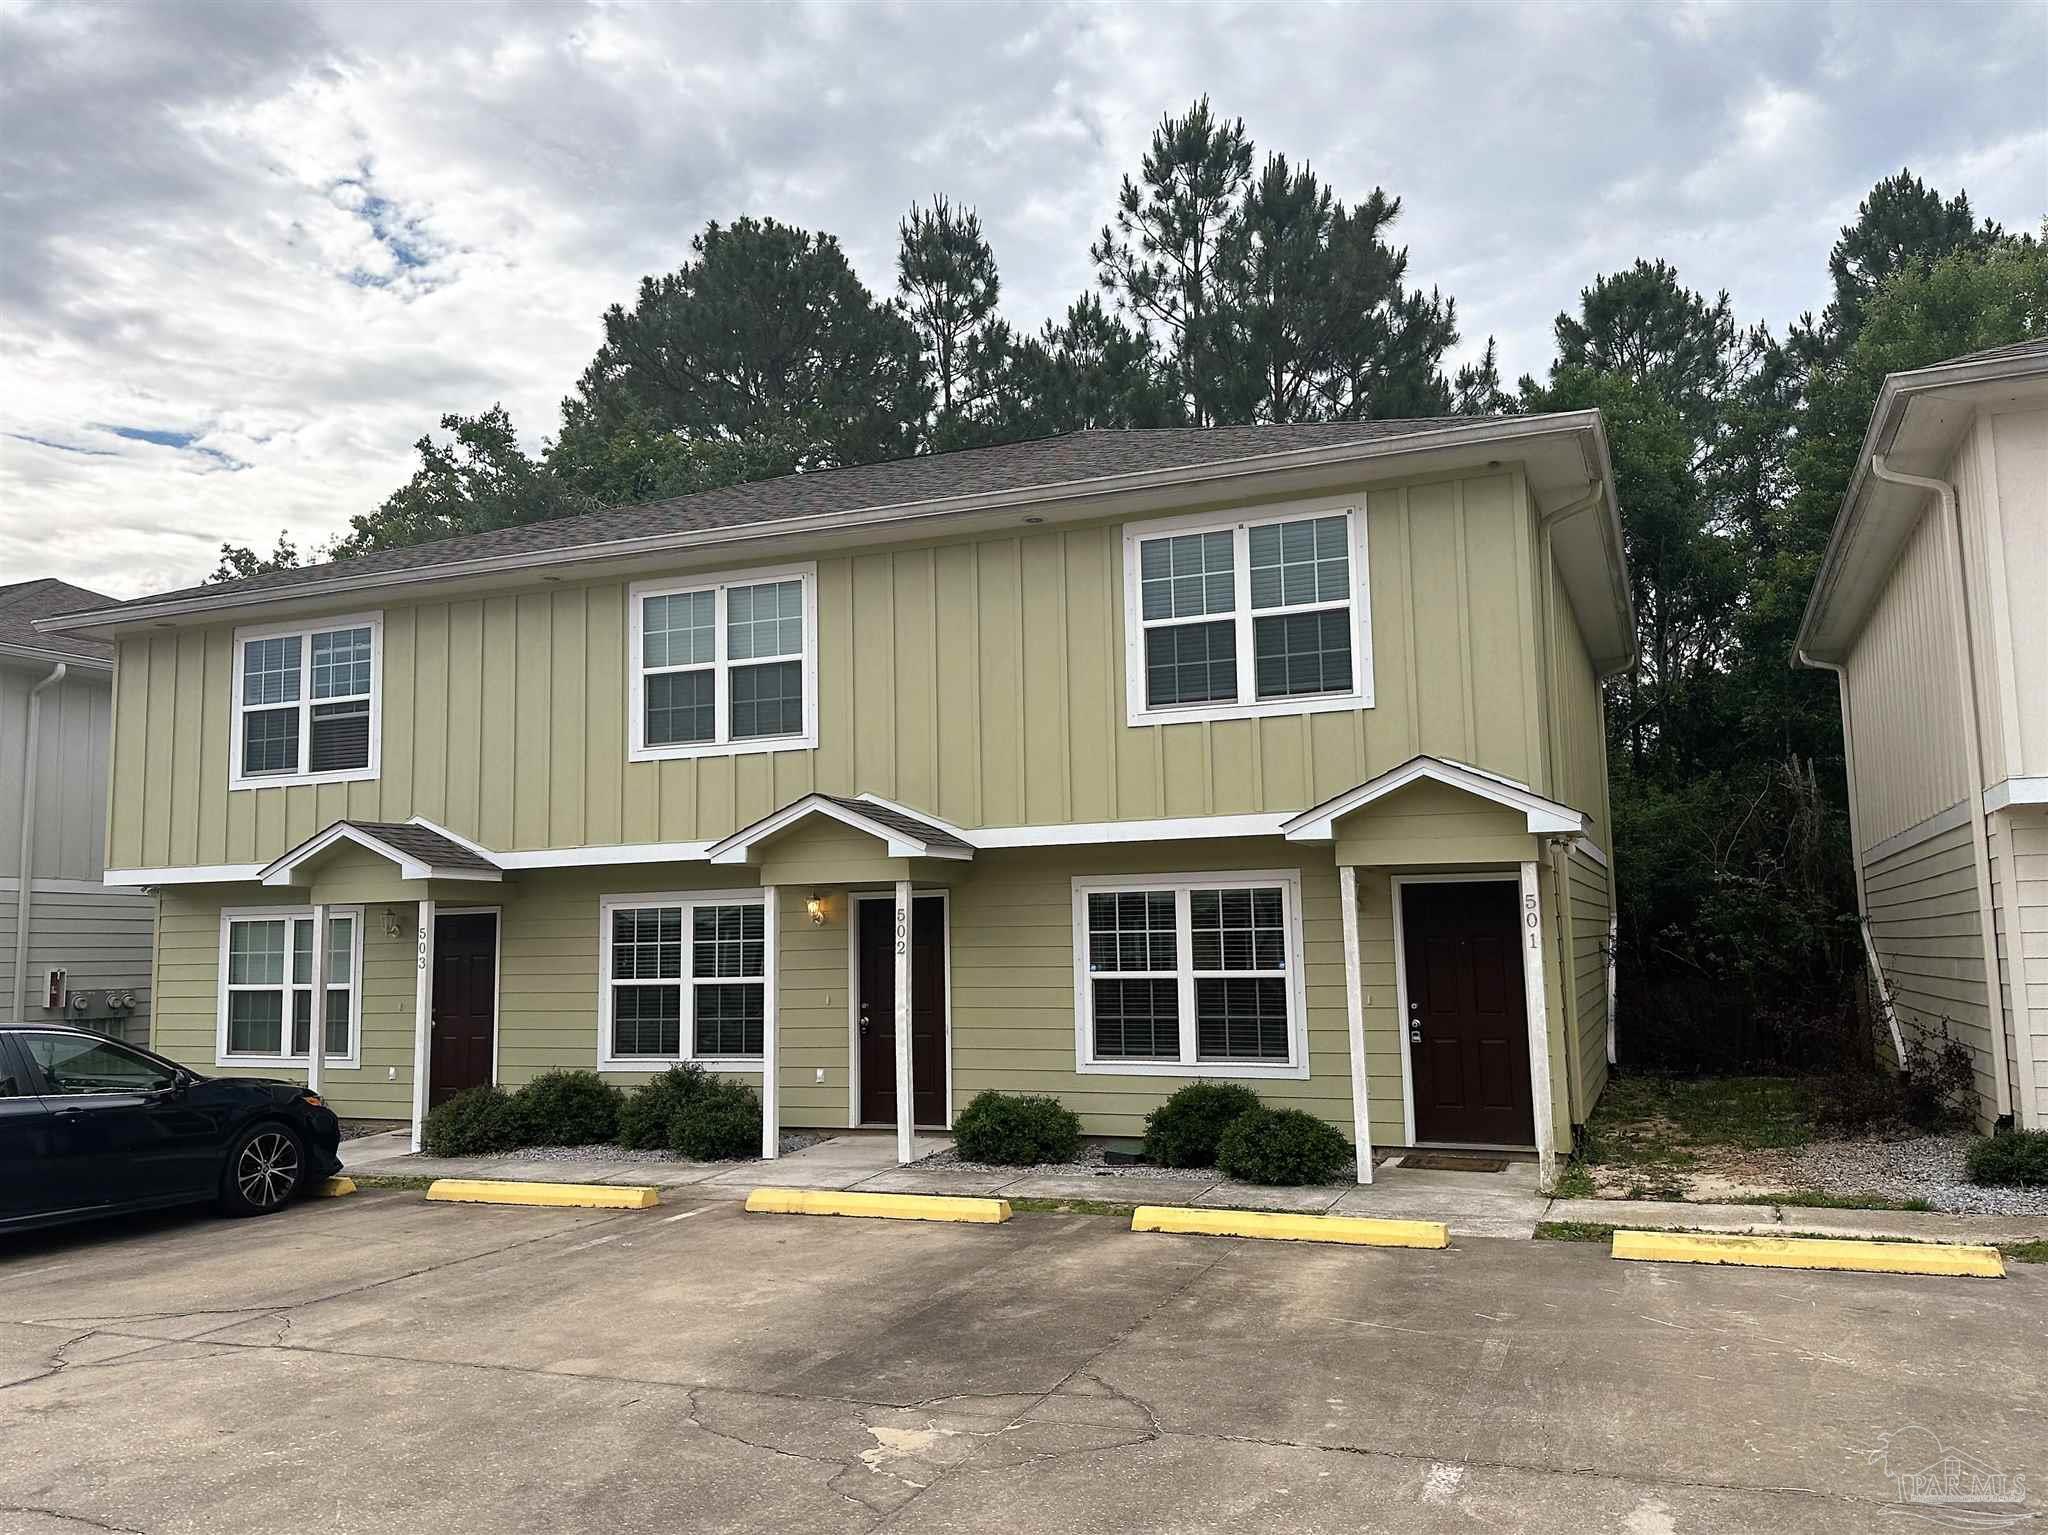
(418, 849)
(901, 834)
(1544, 817)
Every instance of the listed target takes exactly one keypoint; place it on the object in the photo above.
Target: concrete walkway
(1503, 1204)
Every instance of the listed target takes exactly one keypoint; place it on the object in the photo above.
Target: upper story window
(1228, 616)
(305, 702)
(725, 664)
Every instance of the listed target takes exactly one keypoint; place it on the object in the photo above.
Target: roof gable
(1544, 817)
(903, 833)
(420, 849)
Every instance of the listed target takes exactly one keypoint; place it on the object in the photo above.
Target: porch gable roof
(1545, 817)
(903, 834)
(419, 848)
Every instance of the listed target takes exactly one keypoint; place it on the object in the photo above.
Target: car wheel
(263, 1170)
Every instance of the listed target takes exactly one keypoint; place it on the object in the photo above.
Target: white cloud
(283, 239)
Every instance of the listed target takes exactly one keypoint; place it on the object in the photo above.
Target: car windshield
(72, 1063)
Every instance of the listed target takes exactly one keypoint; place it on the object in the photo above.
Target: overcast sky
(249, 252)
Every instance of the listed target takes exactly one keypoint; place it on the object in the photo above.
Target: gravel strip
(795, 1140)
(1090, 1164)
(1928, 1167)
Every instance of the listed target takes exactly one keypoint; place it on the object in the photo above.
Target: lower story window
(1193, 974)
(686, 978)
(267, 1007)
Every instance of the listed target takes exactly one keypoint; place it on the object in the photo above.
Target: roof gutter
(24, 899)
(1063, 492)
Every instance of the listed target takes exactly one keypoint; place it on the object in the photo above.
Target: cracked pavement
(381, 1364)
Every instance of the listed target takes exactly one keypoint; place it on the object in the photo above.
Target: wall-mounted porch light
(815, 905)
(392, 927)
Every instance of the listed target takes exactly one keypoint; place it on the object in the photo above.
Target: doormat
(1454, 1162)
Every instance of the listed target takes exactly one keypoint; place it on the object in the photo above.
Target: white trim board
(2016, 791)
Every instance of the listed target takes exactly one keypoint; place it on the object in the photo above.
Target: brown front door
(1468, 1034)
(876, 1010)
(465, 1004)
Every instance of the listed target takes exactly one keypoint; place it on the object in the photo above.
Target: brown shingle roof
(1018, 466)
(25, 601)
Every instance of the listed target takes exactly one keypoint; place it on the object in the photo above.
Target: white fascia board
(1180, 829)
(604, 856)
(186, 874)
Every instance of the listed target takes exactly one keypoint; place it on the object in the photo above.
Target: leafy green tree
(1902, 226)
(239, 561)
(479, 481)
(1158, 258)
(764, 335)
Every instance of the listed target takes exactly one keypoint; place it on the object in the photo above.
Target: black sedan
(90, 1126)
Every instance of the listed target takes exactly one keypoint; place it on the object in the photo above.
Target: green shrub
(721, 1122)
(1183, 1131)
(566, 1108)
(2015, 1157)
(472, 1122)
(1016, 1130)
(1281, 1146)
(648, 1111)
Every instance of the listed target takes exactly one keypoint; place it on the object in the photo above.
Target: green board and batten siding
(982, 680)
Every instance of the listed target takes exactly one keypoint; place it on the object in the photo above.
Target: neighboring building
(1931, 608)
(1204, 753)
(55, 914)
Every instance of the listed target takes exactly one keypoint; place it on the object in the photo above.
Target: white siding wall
(1925, 924)
(2019, 871)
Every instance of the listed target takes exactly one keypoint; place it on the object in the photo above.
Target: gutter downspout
(25, 896)
(1884, 990)
(1973, 751)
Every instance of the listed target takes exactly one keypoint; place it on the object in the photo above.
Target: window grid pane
(270, 670)
(341, 737)
(1191, 664)
(1234, 930)
(1187, 575)
(256, 953)
(1131, 931)
(681, 707)
(647, 1020)
(341, 663)
(1297, 563)
(647, 943)
(270, 740)
(1300, 653)
(728, 941)
(768, 700)
(255, 1022)
(1241, 1019)
(730, 1018)
(1137, 1020)
(679, 629)
(765, 620)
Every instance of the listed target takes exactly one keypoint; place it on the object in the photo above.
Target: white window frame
(348, 1061)
(1294, 1067)
(1247, 705)
(305, 630)
(722, 744)
(686, 1038)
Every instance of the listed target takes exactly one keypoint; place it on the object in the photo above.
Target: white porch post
(905, 1108)
(1539, 1024)
(423, 1021)
(316, 1004)
(771, 1086)
(1354, 1006)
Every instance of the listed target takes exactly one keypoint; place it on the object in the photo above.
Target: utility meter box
(55, 993)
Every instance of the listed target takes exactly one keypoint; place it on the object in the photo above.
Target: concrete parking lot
(382, 1364)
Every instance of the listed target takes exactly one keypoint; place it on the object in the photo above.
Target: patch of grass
(1815, 1199)
(1662, 1191)
(1662, 1123)
(1069, 1207)
(1575, 1182)
(1573, 1231)
(2025, 1252)
(387, 1181)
